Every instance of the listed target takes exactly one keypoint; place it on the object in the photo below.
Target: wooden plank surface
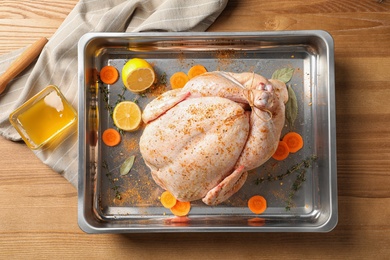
(38, 208)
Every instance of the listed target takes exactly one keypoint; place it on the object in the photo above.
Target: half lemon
(127, 116)
(138, 75)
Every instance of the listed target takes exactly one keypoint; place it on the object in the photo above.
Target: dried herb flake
(284, 74)
(291, 107)
(127, 165)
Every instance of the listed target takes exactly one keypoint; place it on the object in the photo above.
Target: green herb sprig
(285, 75)
(106, 98)
(299, 168)
(110, 178)
(299, 180)
(121, 96)
(163, 78)
(291, 107)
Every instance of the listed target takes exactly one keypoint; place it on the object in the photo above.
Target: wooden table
(38, 208)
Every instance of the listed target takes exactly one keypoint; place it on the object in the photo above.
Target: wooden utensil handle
(25, 59)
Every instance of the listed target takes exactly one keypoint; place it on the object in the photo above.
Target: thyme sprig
(106, 98)
(110, 178)
(121, 96)
(163, 78)
(299, 180)
(299, 168)
(305, 164)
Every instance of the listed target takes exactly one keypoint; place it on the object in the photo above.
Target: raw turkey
(200, 141)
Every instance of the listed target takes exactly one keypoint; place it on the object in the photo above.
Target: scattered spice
(156, 90)
(130, 144)
(225, 54)
(225, 58)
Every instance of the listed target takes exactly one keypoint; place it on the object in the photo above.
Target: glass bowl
(43, 117)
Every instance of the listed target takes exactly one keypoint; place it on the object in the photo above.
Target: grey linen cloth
(57, 64)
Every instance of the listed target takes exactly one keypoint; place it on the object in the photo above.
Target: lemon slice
(127, 116)
(138, 75)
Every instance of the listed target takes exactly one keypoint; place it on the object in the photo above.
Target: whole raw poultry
(200, 141)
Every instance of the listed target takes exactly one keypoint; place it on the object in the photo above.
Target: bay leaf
(283, 75)
(127, 165)
(291, 107)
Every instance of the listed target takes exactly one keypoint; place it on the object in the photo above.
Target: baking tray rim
(325, 37)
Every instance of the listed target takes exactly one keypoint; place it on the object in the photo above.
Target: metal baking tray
(311, 208)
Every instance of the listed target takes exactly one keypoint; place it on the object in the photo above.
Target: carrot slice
(178, 80)
(167, 199)
(281, 152)
(257, 204)
(196, 70)
(256, 222)
(109, 74)
(178, 220)
(111, 137)
(294, 141)
(181, 208)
